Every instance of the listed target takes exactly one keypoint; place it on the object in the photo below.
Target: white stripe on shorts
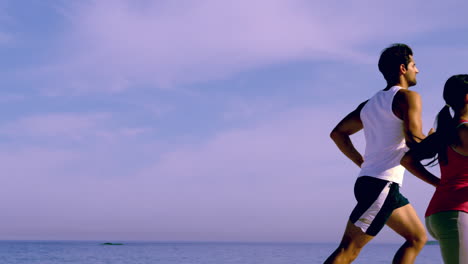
(365, 220)
(463, 236)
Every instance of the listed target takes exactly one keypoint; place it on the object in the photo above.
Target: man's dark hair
(390, 60)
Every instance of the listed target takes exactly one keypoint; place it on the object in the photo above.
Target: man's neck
(396, 84)
(403, 83)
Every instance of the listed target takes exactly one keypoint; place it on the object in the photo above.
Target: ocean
(94, 252)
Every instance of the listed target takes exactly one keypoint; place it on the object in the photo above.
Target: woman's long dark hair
(455, 90)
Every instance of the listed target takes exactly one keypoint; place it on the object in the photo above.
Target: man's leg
(351, 244)
(406, 223)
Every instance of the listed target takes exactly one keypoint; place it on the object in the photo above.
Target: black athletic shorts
(377, 199)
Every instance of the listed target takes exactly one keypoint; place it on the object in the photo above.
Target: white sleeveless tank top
(385, 139)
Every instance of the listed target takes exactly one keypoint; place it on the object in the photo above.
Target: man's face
(411, 72)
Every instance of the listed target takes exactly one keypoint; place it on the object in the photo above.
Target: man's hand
(431, 131)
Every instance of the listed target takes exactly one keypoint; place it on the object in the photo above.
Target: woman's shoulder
(463, 135)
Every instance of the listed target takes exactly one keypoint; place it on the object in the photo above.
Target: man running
(391, 120)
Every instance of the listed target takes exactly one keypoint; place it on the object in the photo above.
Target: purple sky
(199, 120)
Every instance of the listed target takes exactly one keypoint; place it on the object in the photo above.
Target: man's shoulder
(407, 97)
(359, 108)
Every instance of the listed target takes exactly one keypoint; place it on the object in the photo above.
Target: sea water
(93, 252)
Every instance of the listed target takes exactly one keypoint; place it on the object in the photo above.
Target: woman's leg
(451, 230)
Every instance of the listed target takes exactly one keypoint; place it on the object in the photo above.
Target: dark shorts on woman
(377, 199)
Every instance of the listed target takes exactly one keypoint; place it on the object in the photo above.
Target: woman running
(447, 213)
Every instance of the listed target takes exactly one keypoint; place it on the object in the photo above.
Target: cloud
(11, 98)
(68, 127)
(116, 45)
(52, 125)
(255, 179)
(6, 37)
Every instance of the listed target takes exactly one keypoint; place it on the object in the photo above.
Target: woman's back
(452, 192)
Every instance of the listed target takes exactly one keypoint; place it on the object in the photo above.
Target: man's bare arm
(416, 168)
(410, 113)
(341, 135)
(412, 159)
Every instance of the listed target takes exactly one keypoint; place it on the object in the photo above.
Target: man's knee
(352, 243)
(350, 249)
(418, 240)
